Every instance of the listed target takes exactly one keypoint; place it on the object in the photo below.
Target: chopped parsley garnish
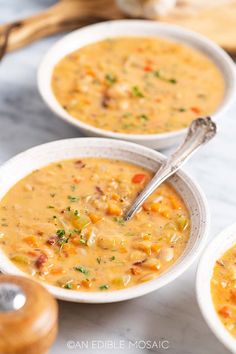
(60, 233)
(181, 109)
(127, 114)
(68, 286)
(158, 74)
(50, 207)
(52, 195)
(83, 240)
(119, 220)
(82, 269)
(136, 92)
(72, 198)
(104, 287)
(99, 259)
(112, 258)
(62, 237)
(143, 117)
(111, 79)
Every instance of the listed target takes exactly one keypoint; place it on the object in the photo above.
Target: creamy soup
(63, 224)
(223, 289)
(137, 85)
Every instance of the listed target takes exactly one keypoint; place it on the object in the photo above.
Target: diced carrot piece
(164, 213)
(69, 249)
(139, 178)
(147, 68)
(94, 217)
(113, 209)
(147, 237)
(175, 203)
(155, 206)
(146, 206)
(233, 295)
(31, 241)
(75, 241)
(57, 271)
(196, 110)
(76, 180)
(32, 253)
(155, 247)
(86, 283)
(225, 312)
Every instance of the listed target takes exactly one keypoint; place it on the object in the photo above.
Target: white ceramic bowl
(217, 247)
(24, 163)
(94, 33)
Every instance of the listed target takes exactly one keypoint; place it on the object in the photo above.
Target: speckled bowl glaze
(217, 247)
(141, 28)
(26, 162)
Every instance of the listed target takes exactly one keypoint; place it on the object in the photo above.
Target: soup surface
(223, 288)
(63, 224)
(137, 85)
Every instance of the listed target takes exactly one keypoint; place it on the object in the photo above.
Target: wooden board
(217, 23)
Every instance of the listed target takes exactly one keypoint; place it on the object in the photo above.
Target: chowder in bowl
(61, 214)
(136, 80)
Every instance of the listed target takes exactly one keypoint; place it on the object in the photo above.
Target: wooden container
(28, 316)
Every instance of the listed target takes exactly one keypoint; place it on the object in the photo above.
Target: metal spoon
(200, 131)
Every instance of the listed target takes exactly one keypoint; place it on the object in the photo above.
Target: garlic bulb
(146, 8)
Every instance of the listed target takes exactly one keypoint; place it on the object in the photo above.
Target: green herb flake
(50, 207)
(119, 220)
(104, 287)
(112, 258)
(83, 241)
(82, 269)
(68, 286)
(181, 109)
(52, 195)
(136, 92)
(72, 198)
(99, 259)
(143, 117)
(158, 74)
(111, 79)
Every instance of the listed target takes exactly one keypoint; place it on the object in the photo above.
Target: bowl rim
(210, 49)
(214, 250)
(6, 266)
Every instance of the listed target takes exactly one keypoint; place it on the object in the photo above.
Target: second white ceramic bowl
(141, 28)
(217, 247)
(24, 163)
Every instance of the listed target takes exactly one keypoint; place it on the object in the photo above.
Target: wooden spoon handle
(64, 16)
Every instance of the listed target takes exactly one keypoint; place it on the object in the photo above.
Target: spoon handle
(200, 132)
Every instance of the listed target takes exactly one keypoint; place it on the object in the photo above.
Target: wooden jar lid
(28, 316)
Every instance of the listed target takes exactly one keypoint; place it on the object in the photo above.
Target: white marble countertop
(170, 313)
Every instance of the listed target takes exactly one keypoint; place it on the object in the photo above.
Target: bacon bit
(135, 270)
(99, 190)
(195, 110)
(52, 240)
(40, 233)
(139, 178)
(225, 312)
(138, 263)
(79, 164)
(40, 261)
(105, 101)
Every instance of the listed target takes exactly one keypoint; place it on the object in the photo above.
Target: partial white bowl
(141, 28)
(26, 162)
(217, 247)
